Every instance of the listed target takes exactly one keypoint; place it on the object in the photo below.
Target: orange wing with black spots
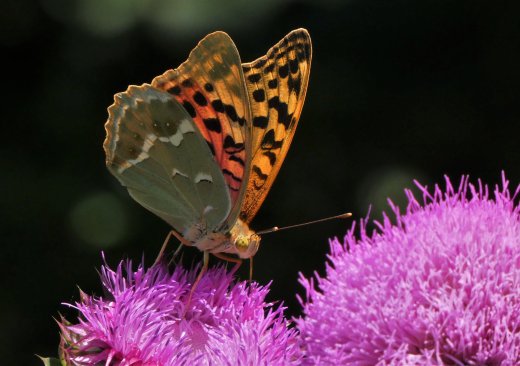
(210, 85)
(276, 84)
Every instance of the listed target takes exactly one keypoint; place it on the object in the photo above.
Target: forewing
(210, 86)
(155, 149)
(276, 84)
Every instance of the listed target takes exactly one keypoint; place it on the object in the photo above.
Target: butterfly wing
(210, 86)
(185, 145)
(155, 149)
(276, 85)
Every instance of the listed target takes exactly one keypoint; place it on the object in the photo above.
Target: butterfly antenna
(276, 228)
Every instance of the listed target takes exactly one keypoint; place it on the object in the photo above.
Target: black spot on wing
(218, 106)
(187, 83)
(268, 69)
(259, 95)
(261, 176)
(200, 99)
(272, 84)
(260, 121)
(259, 172)
(300, 36)
(231, 146)
(307, 49)
(175, 90)
(212, 124)
(294, 84)
(233, 176)
(284, 44)
(189, 108)
(260, 63)
(271, 156)
(281, 108)
(237, 159)
(289, 49)
(293, 66)
(269, 142)
(231, 112)
(283, 71)
(254, 78)
(208, 87)
(274, 102)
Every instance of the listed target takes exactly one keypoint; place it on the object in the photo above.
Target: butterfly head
(245, 240)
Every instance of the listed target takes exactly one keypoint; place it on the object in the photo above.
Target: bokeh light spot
(99, 220)
(187, 17)
(108, 17)
(384, 183)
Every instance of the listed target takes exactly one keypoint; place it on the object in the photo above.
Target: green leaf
(48, 361)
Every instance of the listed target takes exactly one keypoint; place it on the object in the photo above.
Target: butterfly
(201, 145)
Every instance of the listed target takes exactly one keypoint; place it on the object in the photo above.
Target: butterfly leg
(165, 244)
(203, 270)
(226, 258)
(176, 253)
(250, 269)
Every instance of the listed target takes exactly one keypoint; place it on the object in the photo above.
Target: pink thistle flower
(439, 287)
(144, 321)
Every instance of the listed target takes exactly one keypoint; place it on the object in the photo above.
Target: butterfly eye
(247, 245)
(242, 243)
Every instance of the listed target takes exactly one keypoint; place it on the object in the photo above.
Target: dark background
(398, 90)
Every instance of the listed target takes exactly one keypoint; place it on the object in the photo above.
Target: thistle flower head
(441, 286)
(145, 320)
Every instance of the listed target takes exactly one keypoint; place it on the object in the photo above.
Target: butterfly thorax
(240, 240)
